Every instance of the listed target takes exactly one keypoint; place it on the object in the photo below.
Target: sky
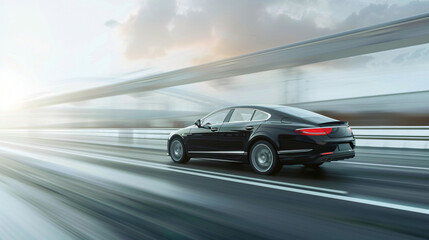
(52, 46)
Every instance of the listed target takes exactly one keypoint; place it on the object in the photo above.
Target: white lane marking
(263, 180)
(126, 160)
(385, 165)
(260, 184)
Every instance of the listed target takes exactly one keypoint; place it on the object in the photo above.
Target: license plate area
(343, 147)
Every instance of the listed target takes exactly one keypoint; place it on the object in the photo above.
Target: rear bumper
(319, 155)
(315, 158)
(334, 157)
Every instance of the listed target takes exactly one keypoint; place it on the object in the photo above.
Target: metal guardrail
(392, 127)
(374, 136)
(393, 137)
(400, 133)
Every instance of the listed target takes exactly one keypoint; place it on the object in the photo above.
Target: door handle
(249, 128)
(214, 129)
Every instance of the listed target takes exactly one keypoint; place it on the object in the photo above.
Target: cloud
(380, 13)
(221, 28)
(146, 32)
(243, 28)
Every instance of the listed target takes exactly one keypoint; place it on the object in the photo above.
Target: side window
(216, 117)
(260, 116)
(241, 115)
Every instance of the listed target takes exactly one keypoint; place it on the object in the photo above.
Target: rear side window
(242, 115)
(260, 116)
(305, 114)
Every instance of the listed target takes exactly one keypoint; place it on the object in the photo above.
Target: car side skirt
(218, 152)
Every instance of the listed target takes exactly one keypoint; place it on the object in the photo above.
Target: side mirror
(198, 123)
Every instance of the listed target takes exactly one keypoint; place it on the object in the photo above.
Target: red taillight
(327, 153)
(314, 131)
(350, 130)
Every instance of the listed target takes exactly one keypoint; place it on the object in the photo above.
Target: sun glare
(13, 89)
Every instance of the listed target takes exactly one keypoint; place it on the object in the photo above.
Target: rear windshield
(305, 114)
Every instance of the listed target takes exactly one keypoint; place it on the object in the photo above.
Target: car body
(254, 133)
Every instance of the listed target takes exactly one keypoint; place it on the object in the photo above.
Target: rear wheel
(312, 165)
(178, 151)
(263, 158)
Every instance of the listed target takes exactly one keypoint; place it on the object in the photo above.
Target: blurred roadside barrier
(392, 136)
(155, 138)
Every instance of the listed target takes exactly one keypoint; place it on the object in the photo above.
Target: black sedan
(267, 137)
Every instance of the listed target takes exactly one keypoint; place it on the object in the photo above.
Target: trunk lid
(340, 129)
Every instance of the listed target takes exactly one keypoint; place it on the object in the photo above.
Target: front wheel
(178, 151)
(263, 158)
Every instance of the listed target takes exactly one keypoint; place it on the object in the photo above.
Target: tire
(312, 165)
(263, 158)
(177, 151)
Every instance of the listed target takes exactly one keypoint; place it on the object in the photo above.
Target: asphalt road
(81, 187)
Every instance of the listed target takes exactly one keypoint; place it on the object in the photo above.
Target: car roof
(260, 106)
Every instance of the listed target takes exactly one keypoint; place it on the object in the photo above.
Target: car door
(235, 133)
(204, 140)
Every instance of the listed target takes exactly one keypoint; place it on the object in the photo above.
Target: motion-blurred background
(56, 47)
(91, 90)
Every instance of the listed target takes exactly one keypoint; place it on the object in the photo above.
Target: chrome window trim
(236, 122)
(294, 151)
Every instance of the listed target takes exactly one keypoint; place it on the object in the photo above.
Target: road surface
(100, 187)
